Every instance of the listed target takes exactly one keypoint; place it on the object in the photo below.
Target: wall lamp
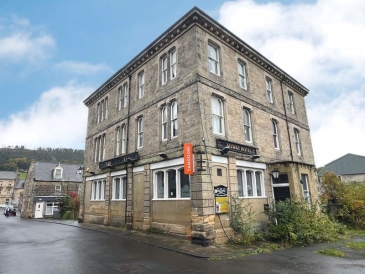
(163, 155)
(275, 173)
(80, 170)
(224, 150)
(255, 157)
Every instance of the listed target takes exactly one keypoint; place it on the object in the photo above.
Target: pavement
(162, 240)
(184, 246)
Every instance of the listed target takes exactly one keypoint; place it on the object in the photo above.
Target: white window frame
(102, 110)
(124, 142)
(58, 189)
(51, 209)
(98, 113)
(141, 85)
(120, 101)
(125, 95)
(213, 57)
(98, 190)
(106, 108)
(242, 75)
(174, 122)
(173, 65)
(118, 140)
(96, 149)
(217, 116)
(275, 134)
(164, 123)
(122, 189)
(100, 145)
(269, 89)
(242, 181)
(291, 102)
(305, 187)
(140, 132)
(104, 147)
(247, 125)
(57, 172)
(164, 70)
(166, 194)
(297, 141)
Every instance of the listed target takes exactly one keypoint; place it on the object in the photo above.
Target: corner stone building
(195, 84)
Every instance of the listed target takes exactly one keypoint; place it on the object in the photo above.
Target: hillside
(21, 157)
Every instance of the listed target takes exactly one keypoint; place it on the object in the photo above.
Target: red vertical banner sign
(188, 159)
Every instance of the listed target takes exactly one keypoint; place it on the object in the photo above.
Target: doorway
(39, 209)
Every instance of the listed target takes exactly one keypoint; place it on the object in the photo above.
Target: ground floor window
(250, 183)
(171, 183)
(119, 188)
(304, 182)
(51, 206)
(98, 190)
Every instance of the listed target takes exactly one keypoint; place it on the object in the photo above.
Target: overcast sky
(53, 54)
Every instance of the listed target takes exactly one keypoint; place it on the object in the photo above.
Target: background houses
(45, 184)
(196, 86)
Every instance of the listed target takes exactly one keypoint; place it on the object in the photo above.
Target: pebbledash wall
(199, 84)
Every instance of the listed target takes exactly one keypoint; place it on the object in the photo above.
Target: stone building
(196, 87)
(45, 184)
(8, 180)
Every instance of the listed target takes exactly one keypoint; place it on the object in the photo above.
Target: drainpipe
(126, 149)
(286, 117)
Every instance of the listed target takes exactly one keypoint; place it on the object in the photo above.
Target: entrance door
(281, 193)
(138, 199)
(39, 209)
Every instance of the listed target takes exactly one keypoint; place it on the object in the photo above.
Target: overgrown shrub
(299, 223)
(346, 200)
(69, 207)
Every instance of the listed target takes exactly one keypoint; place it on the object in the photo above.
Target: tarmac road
(31, 246)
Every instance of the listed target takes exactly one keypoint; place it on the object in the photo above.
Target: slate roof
(11, 175)
(19, 184)
(348, 164)
(44, 172)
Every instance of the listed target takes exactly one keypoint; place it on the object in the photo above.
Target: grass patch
(332, 252)
(153, 230)
(356, 245)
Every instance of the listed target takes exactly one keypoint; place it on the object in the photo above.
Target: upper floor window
(57, 172)
(213, 59)
(102, 110)
(119, 188)
(140, 132)
(164, 123)
(118, 141)
(141, 87)
(173, 68)
(174, 123)
(57, 190)
(250, 183)
(291, 102)
(247, 125)
(171, 184)
(242, 75)
(98, 190)
(123, 97)
(269, 90)
(96, 143)
(297, 142)
(124, 139)
(217, 116)
(164, 70)
(275, 134)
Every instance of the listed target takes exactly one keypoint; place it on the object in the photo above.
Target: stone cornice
(195, 17)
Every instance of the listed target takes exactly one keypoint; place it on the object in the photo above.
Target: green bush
(298, 223)
(345, 200)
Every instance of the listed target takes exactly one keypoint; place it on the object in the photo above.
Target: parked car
(11, 212)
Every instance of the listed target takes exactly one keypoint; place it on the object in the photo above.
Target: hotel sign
(119, 160)
(236, 147)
